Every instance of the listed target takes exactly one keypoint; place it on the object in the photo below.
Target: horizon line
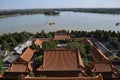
(66, 8)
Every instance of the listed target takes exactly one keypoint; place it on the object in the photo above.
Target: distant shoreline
(3, 16)
(5, 13)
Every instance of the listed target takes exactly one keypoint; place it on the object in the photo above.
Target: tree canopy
(50, 44)
(11, 40)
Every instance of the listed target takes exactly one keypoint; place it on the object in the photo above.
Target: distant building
(2, 53)
(22, 65)
(16, 70)
(12, 58)
(19, 49)
(106, 69)
(9, 57)
(61, 35)
(27, 55)
(38, 42)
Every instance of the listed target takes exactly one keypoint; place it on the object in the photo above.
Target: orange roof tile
(38, 42)
(61, 37)
(27, 55)
(18, 67)
(98, 55)
(1, 75)
(103, 67)
(61, 59)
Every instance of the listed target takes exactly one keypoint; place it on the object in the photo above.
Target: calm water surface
(66, 20)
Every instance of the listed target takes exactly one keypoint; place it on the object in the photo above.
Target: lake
(66, 20)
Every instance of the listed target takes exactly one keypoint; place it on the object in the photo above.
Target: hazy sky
(21, 4)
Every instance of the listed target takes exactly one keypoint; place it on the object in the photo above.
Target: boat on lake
(117, 24)
(51, 23)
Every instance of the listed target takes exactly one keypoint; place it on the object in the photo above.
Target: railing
(98, 77)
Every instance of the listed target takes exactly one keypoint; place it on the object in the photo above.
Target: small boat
(51, 23)
(117, 24)
(56, 12)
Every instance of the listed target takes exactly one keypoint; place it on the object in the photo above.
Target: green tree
(114, 42)
(106, 37)
(38, 60)
(89, 46)
(5, 46)
(22, 38)
(36, 47)
(1, 62)
(5, 37)
(0, 39)
(31, 74)
(37, 35)
(77, 45)
(13, 43)
(50, 45)
(42, 34)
